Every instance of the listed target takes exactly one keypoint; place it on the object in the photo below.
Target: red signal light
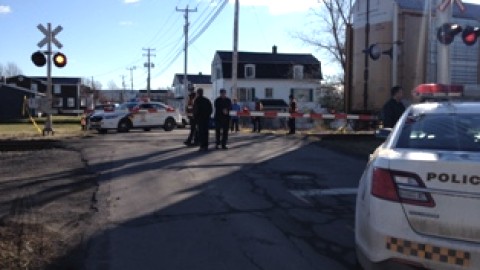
(470, 35)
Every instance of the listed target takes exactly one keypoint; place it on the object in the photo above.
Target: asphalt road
(268, 202)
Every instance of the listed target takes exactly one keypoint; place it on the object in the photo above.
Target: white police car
(418, 201)
(136, 115)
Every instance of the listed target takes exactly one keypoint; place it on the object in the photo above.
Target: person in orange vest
(192, 139)
(83, 121)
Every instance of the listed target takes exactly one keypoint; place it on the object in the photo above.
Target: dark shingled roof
(195, 78)
(274, 58)
(60, 80)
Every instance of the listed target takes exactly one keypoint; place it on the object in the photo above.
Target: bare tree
(332, 18)
(94, 85)
(112, 85)
(11, 69)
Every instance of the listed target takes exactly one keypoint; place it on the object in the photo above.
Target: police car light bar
(438, 90)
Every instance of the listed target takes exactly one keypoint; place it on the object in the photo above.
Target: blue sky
(102, 38)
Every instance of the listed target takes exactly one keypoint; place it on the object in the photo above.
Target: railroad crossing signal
(447, 32)
(38, 57)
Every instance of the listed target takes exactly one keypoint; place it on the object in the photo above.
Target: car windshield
(452, 132)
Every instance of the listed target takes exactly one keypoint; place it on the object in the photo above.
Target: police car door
(157, 113)
(143, 116)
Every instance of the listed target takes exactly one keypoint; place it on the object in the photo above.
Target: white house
(269, 76)
(194, 81)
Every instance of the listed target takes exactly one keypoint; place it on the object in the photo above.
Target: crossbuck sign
(49, 35)
(446, 3)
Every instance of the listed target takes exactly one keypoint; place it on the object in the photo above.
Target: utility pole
(185, 30)
(149, 65)
(131, 69)
(235, 50)
(122, 94)
(365, 74)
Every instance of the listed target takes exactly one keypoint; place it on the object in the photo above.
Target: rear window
(454, 132)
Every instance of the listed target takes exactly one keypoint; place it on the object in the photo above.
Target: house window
(34, 87)
(268, 92)
(57, 89)
(57, 102)
(71, 102)
(218, 73)
(298, 72)
(303, 94)
(83, 102)
(249, 71)
(246, 94)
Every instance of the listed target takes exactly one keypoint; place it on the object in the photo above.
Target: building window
(246, 94)
(298, 72)
(71, 102)
(34, 87)
(303, 94)
(57, 102)
(269, 92)
(83, 102)
(249, 71)
(57, 89)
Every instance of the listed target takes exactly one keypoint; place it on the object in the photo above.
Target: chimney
(274, 49)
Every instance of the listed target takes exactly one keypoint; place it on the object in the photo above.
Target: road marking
(324, 192)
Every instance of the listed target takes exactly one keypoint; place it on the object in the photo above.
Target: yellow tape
(428, 252)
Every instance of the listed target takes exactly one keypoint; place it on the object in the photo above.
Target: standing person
(223, 105)
(257, 120)
(393, 108)
(292, 108)
(192, 139)
(234, 120)
(202, 110)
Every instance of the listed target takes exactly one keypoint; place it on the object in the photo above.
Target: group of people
(199, 109)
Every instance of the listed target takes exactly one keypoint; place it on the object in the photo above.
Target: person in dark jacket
(202, 110)
(192, 139)
(223, 105)
(257, 120)
(292, 108)
(393, 108)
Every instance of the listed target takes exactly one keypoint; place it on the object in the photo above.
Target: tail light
(400, 187)
(170, 109)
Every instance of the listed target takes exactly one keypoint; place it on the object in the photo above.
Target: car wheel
(169, 124)
(124, 126)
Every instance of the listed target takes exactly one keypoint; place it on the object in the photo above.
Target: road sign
(49, 36)
(447, 3)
